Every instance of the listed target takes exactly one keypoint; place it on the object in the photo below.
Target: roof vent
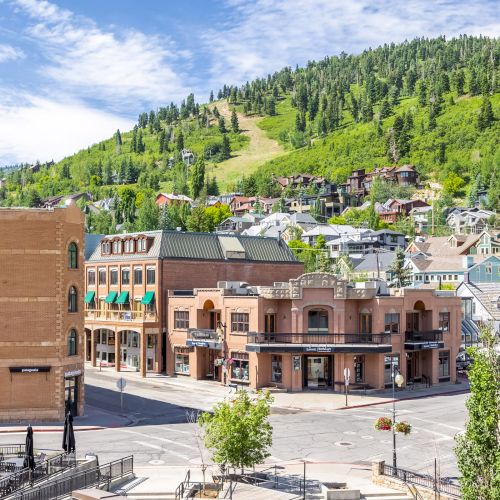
(232, 248)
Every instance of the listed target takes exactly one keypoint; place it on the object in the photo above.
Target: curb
(20, 431)
(464, 391)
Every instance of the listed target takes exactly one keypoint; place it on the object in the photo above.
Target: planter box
(339, 491)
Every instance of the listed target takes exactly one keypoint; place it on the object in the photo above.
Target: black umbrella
(68, 435)
(29, 459)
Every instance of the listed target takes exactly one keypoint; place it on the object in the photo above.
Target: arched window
(317, 321)
(72, 342)
(72, 302)
(72, 256)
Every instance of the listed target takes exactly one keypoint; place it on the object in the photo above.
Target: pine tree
(385, 109)
(401, 275)
(211, 98)
(271, 106)
(486, 117)
(118, 141)
(234, 122)
(133, 143)
(222, 125)
(140, 148)
(197, 177)
(180, 141)
(226, 148)
(65, 172)
(161, 142)
(107, 174)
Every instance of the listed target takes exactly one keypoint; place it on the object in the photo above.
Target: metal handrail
(319, 338)
(17, 450)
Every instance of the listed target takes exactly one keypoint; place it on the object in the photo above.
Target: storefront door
(71, 395)
(318, 372)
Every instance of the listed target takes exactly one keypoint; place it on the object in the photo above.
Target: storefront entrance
(318, 372)
(71, 395)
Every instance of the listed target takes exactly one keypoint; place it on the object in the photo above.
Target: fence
(424, 480)
(12, 450)
(91, 478)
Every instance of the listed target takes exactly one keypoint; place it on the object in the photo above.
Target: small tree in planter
(238, 431)
(383, 424)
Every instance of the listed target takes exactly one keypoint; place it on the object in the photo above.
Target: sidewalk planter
(402, 428)
(383, 424)
(339, 491)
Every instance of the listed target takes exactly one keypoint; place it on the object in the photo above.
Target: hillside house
(168, 199)
(469, 220)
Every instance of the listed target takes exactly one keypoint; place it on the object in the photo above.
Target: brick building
(41, 313)
(303, 333)
(128, 277)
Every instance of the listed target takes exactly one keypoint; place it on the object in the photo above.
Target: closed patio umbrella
(68, 435)
(29, 459)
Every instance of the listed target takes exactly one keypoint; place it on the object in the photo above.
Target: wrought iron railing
(120, 315)
(12, 450)
(62, 487)
(424, 480)
(424, 336)
(319, 338)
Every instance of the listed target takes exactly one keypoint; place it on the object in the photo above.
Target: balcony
(199, 337)
(430, 339)
(126, 316)
(319, 342)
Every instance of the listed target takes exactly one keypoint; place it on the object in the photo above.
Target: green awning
(111, 297)
(122, 298)
(148, 298)
(89, 297)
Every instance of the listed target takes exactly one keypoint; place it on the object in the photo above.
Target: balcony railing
(120, 315)
(319, 338)
(202, 334)
(424, 336)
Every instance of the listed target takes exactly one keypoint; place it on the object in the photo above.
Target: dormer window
(117, 247)
(106, 247)
(141, 245)
(129, 246)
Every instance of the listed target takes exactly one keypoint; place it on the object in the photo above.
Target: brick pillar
(142, 356)
(158, 360)
(93, 348)
(118, 337)
(377, 469)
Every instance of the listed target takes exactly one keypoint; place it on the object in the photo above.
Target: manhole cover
(343, 443)
(156, 462)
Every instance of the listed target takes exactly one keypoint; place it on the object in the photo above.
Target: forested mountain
(433, 103)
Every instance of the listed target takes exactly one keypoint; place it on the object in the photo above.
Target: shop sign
(72, 373)
(319, 348)
(296, 363)
(429, 345)
(198, 343)
(200, 334)
(29, 369)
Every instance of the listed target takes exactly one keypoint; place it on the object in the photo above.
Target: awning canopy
(148, 298)
(122, 298)
(89, 297)
(111, 297)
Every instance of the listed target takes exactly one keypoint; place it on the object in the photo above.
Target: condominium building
(128, 277)
(303, 333)
(41, 313)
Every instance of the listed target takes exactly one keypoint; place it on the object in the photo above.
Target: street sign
(347, 375)
(121, 383)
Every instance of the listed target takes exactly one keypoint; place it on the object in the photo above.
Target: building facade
(41, 313)
(303, 333)
(128, 277)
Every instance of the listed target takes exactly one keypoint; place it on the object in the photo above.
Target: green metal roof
(110, 297)
(89, 297)
(122, 298)
(148, 298)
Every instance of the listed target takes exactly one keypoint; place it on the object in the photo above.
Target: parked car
(463, 361)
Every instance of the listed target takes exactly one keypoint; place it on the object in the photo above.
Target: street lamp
(221, 335)
(398, 379)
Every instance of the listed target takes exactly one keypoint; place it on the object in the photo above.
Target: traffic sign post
(121, 383)
(347, 374)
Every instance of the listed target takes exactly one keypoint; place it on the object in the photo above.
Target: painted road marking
(165, 440)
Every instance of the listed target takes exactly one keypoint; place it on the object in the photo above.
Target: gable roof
(370, 260)
(488, 295)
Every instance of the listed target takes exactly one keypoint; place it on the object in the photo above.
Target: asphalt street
(159, 431)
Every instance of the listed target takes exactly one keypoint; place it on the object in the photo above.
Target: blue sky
(72, 72)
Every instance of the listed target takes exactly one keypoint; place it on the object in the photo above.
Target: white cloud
(264, 35)
(9, 53)
(34, 128)
(91, 62)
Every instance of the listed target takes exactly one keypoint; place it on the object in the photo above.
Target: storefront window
(391, 323)
(126, 276)
(276, 373)
(388, 360)
(444, 321)
(444, 364)
(113, 277)
(239, 322)
(133, 339)
(137, 276)
(359, 369)
(150, 275)
(239, 367)
(181, 319)
(317, 321)
(182, 361)
(151, 341)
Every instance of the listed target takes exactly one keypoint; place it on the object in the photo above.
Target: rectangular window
(276, 369)
(391, 323)
(150, 275)
(444, 364)
(365, 321)
(390, 363)
(104, 338)
(125, 276)
(133, 339)
(239, 322)
(91, 277)
(270, 323)
(106, 247)
(117, 247)
(102, 276)
(239, 366)
(444, 321)
(129, 246)
(113, 277)
(181, 319)
(359, 369)
(138, 276)
(141, 245)
(317, 321)
(182, 363)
